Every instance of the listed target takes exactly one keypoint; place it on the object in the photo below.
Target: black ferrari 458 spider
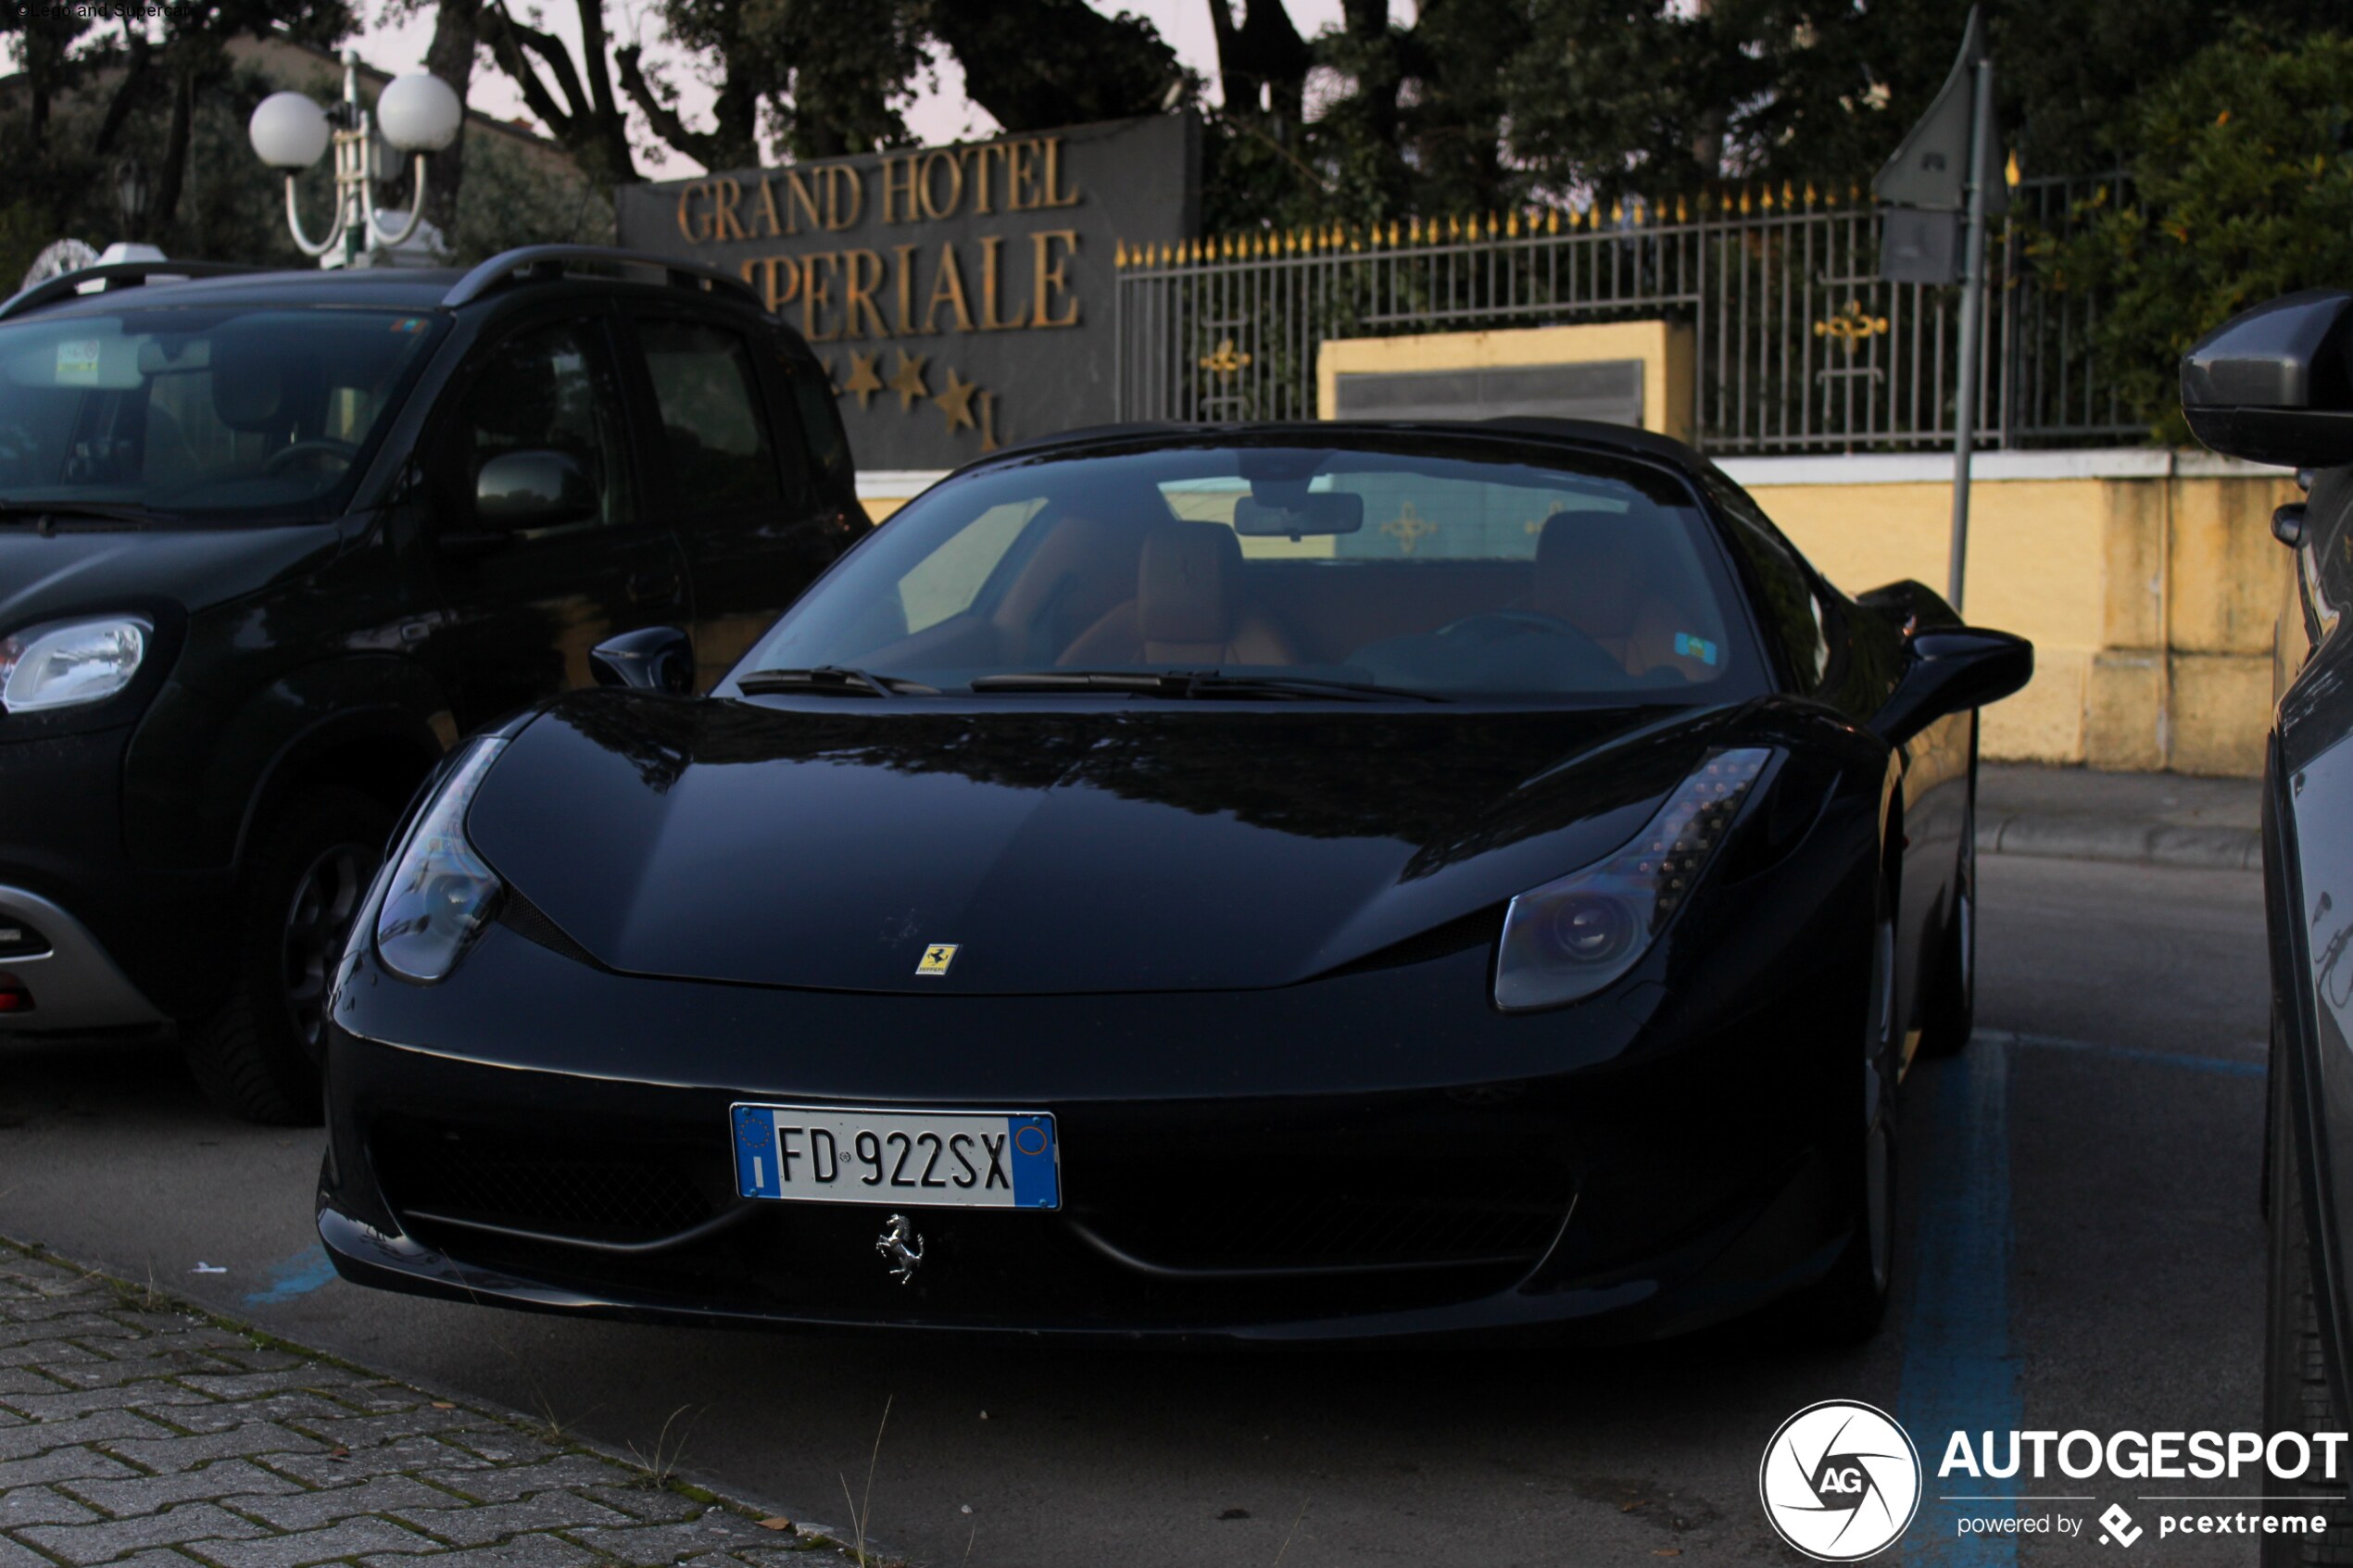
(1264, 883)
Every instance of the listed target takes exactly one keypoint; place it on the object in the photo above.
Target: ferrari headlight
(440, 892)
(72, 662)
(1570, 938)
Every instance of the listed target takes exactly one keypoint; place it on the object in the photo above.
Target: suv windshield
(207, 414)
(1422, 571)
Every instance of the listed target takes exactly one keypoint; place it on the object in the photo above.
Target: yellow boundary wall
(2148, 580)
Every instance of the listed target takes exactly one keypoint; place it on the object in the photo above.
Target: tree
(1038, 64)
(824, 80)
(2242, 163)
(573, 99)
(457, 41)
(820, 80)
(97, 92)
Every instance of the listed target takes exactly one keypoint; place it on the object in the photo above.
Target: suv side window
(551, 389)
(713, 424)
(1794, 614)
(821, 422)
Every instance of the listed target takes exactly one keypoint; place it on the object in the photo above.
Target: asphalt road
(2081, 1250)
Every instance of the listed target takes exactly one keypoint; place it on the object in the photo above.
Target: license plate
(950, 1160)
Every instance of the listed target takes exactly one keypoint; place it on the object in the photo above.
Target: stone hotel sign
(961, 297)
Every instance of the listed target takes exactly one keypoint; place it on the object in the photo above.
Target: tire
(2297, 1397)
(257, 1056)
(1847, 1305)
(1950, 1015)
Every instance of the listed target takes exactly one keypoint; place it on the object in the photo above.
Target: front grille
(597, 1191)
(1315, 1216)
(1349, 1216)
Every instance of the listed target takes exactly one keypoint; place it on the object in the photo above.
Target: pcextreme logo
(1840, 1481)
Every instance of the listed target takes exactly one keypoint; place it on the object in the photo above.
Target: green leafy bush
(2242, 163)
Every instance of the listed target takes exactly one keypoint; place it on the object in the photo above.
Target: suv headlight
(440, 892)
(1570, 938)
(72, 662)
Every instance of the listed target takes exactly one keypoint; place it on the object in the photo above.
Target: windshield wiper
(43, 512)
(834, 678)
(1193, 684)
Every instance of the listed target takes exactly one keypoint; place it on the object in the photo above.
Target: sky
(942, 114)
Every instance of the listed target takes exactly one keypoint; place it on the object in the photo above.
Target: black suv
(270, 541)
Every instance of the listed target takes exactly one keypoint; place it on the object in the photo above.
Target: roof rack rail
(535, 258)
(113, 275)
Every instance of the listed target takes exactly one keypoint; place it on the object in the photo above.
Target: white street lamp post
(415, 114)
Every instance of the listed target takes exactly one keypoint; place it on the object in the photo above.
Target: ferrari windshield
(199, 414)
(1421, 571)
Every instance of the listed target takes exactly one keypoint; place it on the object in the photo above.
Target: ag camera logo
(1840, 1481)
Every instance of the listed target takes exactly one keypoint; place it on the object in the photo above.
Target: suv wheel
(258, 1056)
(2295, 1385)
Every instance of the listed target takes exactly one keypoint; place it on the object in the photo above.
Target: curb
(2136, 842)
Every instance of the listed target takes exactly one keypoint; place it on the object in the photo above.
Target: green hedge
(2243, 189)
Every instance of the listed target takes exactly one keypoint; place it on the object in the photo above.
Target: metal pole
(1973, 319)
(351, 165)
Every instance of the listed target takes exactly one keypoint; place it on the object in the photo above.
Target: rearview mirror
(2274, 384)
(1296, 516)
(517, 490)
(652, 658)
(1951, 671)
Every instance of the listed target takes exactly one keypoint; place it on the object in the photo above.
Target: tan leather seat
(1082, 570)
(1598, 572)
(1188, 607)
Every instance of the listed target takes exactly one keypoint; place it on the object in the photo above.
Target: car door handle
(652, 587)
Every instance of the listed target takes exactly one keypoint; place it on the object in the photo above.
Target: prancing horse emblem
(900, 1243)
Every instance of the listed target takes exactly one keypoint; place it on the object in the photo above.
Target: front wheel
(1950, 1015)
(2297, 1397)
(258, 1056)
(1848, 1304)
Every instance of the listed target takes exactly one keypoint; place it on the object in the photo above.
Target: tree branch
(703, 146)
(509, 40)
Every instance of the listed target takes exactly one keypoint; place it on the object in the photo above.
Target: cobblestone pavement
(135, 1431)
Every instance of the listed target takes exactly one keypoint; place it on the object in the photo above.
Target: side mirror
(1951, 671)
(516, 491)
(2274, 384)
(652, 658)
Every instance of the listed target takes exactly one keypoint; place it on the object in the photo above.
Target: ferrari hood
(1195, 847)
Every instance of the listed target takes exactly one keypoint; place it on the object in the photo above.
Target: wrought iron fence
(1798, 345)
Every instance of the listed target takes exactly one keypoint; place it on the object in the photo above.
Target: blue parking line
(1959, 1374)
(2234, 1067)
(298, 1275)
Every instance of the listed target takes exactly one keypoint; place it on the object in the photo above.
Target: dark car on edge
(272, 542)
(1279, 882)
(2275, 385)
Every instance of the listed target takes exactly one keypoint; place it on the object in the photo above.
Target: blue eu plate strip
(756, 1172)
(1036, 1182)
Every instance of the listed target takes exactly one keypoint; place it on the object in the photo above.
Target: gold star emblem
(908, 379)
(956, 402)
(862, 379)
(1225, 361)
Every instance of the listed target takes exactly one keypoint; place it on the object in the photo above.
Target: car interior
(197, 411)
(1605, 590)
